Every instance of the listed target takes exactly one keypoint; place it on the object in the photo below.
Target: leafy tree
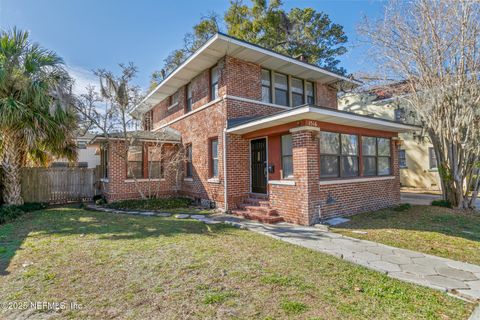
(300, 33)
(36, 121)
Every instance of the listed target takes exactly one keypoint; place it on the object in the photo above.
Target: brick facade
(240, 97)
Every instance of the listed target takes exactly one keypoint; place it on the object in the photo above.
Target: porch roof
(310, 112)
(166, 135)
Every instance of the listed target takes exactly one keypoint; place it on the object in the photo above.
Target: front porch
(303, 169)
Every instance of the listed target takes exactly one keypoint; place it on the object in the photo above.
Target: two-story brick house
(264, 139)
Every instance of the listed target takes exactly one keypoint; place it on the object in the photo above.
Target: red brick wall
(326, 96)
(119, 187)
(243, 79)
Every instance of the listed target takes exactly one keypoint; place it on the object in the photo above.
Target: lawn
(434, 230)
(131, 267)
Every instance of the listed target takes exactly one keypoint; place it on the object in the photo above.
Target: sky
(93, 34)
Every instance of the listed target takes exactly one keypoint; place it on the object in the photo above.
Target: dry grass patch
(130, 267)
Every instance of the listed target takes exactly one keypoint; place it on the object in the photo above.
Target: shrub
(97, 197)
(100, 201)
(151, 204)
(9, 213)
(402, 207)
(441, 203)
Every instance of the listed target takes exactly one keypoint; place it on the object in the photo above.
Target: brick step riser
(260, 210)
(257, 202)
(257, 217)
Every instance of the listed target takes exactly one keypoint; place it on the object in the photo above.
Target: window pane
(369, 146)
(281, 81)
(349, 166)
(369, 166)
(287, 166)
(329, 143)
(215, 148)
(265, 77)
(297, 86)
(432, 158)
(189, 90)
(309, 88)
(287, 145)
(266, 94)
(135, 169)
(281, 97)
(349, 144)
(135, 153)
(154, 154)
(214, 74)
(155, 169)
(402, 159)
(215, 168)
(329, 166)
(383, 146)
(297, 99)
(175, 98)
(383, 166)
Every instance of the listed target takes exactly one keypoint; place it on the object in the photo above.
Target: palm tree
(36, 121)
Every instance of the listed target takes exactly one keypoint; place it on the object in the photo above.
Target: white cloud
(83, 77)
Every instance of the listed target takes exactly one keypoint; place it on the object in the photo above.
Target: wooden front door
(258, 158)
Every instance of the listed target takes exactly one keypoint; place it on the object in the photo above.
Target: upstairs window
(188, 104)
(214, 158)
(338, 155)
(135, 162)
(297, 92)
(266, 86)
(281, 89)
(287, 156)
(188, 164)
(310, 92)
(174, 99)
(214, 83)
(155, 163)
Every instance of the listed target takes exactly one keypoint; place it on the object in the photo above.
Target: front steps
(257, 207)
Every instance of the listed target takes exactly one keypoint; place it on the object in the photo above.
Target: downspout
(225, 167)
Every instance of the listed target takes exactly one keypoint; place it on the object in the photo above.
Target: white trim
(144, 180)
(263, 103)
(190, 113)
(282, 182)
(300, 111)
(188, 179)
(355, 180)
(172, 106)
(305, 128)
(213, 180)
(104, 180)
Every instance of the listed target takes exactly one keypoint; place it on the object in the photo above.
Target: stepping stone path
(459, 279)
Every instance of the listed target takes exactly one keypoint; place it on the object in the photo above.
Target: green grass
(131, 267)
(434, 230)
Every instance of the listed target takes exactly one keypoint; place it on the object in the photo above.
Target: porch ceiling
(309, 112)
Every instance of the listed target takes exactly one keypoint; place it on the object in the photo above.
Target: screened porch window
(287, 156)
(338, 155)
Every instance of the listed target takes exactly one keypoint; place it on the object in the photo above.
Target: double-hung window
(281, 89)
(188, 163)
(376, 156)
(310, 92)
(298, 94)
(188, 105)
(287, 156)
(135, 162)
(174, 100)
(155, 163)
(214, 158)
(402, 158)
(266, 86)
(214, 83)
(338, 155)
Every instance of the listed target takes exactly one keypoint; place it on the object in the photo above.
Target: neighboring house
(417, 161)
(263, 138)
(88, 156)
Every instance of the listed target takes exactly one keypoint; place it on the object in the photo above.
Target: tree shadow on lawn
(108, 226)
(446, 221)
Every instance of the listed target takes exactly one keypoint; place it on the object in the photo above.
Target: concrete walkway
(457, 278)
(424, 198)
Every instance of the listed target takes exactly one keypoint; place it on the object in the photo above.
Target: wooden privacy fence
(58, 185)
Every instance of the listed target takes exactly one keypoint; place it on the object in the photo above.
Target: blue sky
(91, 34)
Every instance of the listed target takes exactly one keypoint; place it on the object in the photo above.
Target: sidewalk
(457, 278)
(423, 198)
